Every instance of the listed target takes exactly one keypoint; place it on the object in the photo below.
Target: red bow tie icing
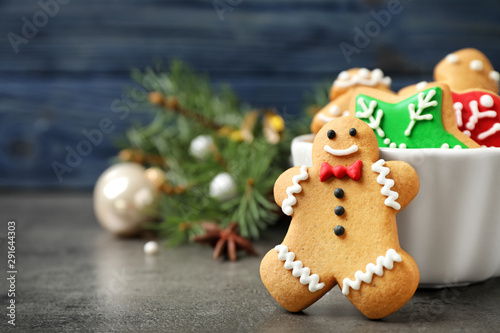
(339, 171)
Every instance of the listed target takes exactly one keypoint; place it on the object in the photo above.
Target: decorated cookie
(341, 93)
(343, 229)
(424, 119)
(478, 116)
(467, 69)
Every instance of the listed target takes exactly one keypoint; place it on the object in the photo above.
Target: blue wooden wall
(66, 74)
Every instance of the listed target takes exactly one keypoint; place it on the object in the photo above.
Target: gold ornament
(273, 127)
(236, 135)
(156, 98)
(131, 155)
(156, 176)
(248, 126)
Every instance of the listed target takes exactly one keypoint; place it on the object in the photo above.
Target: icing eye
(352, 132)
(330, 134)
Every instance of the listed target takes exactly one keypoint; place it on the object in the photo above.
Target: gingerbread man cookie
(467, 69)
(421, 119)
(343, 229)
(341, 93)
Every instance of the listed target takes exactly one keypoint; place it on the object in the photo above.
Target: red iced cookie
(478, 116)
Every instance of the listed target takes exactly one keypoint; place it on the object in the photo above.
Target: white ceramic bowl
(452, 227)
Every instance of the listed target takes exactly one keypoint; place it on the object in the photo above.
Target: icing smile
(341, 152)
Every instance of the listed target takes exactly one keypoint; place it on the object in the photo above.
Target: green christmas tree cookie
(422, 120)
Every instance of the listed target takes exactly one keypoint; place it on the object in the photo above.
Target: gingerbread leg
(287, 289)
(387, 293)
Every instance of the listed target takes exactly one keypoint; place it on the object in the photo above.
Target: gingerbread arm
(406, 182)
(286, 180)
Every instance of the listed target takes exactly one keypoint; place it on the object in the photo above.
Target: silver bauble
(201, 147)
(122, 194)
(222, 187)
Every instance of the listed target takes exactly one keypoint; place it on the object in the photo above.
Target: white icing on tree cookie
(386, 261)
(383, 171)
(367, 113)
(424, 102)
(287, 204)
(297, 269)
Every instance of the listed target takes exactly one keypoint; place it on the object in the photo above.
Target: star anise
(227, 240)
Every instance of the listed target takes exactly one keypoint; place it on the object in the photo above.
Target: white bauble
(201, 147)
(151, 248)
(222, 187)
(121, 196)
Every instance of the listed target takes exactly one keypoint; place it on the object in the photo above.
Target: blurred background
(64, 64)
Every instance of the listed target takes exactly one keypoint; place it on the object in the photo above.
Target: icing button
(339, 230)
(339, 210)
(339, 193)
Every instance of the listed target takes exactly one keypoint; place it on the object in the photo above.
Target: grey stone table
(74, 276)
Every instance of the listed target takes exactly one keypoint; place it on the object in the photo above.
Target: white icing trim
(476, 65)
(386, 261)
(334, 110)
(458, 147)
(445, 146)
(402, 146)
(458, 112)
(495, 76)
(476, 115)
(495, 128)
(297, 269)
(393, 145)
(421, 85)
(424, 102)
(367, 113)
(324, 118)
(468, 133)
(344, 75)
(452, 58)
(388, 184)
(377, 77)
(387, 141)
(364, 73)
(287, 204)
(341, 152)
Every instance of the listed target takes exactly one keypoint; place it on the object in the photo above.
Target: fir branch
(171, 103)
(184, 105)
